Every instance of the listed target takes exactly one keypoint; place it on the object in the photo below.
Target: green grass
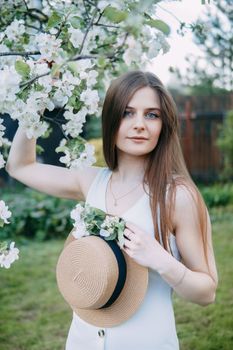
(34, 316)
(210, 328)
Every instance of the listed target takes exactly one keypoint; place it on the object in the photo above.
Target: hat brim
(128, 301)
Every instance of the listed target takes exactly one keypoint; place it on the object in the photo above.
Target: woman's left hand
(141, 246)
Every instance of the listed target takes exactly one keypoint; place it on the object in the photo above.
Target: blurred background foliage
(42, 217)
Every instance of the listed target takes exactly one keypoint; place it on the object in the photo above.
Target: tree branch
(26, 5)
(57, 123)
(86, 57)
(106, 25)
(88, 28)
(31, 81)
(27, 53)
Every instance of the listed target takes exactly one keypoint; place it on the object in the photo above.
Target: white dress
(152, 326)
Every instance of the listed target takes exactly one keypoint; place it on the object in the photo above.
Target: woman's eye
(127, 113)
(152, 115)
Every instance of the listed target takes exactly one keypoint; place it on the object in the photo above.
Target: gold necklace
(116, 199)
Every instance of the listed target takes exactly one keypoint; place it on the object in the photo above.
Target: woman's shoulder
(183, 190)
(88, 176)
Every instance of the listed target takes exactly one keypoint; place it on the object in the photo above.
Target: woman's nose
(139, 122)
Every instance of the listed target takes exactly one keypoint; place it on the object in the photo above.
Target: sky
(187, 11)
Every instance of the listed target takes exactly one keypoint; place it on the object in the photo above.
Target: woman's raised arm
(54, 180)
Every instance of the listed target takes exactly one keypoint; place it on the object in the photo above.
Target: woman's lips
(138, 140)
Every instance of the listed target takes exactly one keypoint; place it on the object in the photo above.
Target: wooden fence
(198, 135)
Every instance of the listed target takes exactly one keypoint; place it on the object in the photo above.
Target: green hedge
(41, 217)
(36, 215)
(217, 195)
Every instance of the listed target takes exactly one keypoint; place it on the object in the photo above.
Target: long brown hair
(166, 166)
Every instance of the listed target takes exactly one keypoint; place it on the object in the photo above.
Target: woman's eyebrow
(147, 109)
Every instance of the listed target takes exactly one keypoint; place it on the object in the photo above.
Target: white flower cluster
(5, 213)
(49, 47)
(9, 87)
(74, 158)
(147, 47)
(15, 30)
(2, 128)
(80, 229)
(92, 221)
(107, 227)
(75, 121)
(55, 76)
(8, 256)
(64, 88)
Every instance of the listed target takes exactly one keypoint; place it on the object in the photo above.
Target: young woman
(147, 183)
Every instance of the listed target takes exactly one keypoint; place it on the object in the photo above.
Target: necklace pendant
(115, 203)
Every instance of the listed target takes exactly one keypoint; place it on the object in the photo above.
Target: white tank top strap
(95, 195)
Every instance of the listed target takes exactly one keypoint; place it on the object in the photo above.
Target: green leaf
(158, 24)
(3, 246)
(121, 238)
(39, 149)
(55, 69)
(73, 67)
(114, 15)
(75, 22)
(99, 212)
(60, 149)
(102, 62)
(54, 20)
(22, 68)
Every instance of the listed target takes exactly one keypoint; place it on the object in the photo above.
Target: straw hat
(99, 281)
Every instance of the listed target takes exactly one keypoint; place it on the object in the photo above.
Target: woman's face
(141, 120)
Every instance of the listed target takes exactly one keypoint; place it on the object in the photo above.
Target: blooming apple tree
(61, 54)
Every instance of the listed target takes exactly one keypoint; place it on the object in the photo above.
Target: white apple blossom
(86, 158)
(7, 60)
(5, 213)
(34, 130)
(17, 109)
(91, 78)
(39, 101)
(66, 159)
(30, 121)
(6, 142)
(82, 66)
(9, 86)
(73, 158)
(7, 257)
(38, 67)
(133, 52)
(102, 4)
(2, 161)
(91, 99)
(156, 44)
(15, 30)
(75, 121)
(69, 78)
(104, 233)
(49, 46)
(46, 82)
(80, 230)
(65, 87)
(2, 128)
(76, 36)
(76, 212)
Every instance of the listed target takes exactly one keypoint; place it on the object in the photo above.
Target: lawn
(33, 315)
